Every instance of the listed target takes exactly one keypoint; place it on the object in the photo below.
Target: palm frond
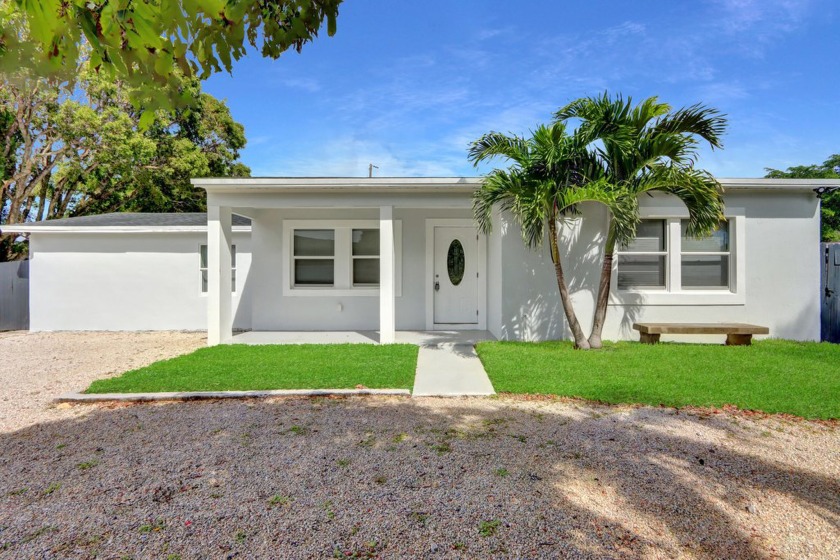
(701, 193)
(616, 152)
(705, 122)
(647, 111)
(496, 144)
(498, 189)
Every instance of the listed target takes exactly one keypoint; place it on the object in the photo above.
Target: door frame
(481, 297)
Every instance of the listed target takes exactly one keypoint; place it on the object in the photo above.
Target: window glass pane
(314, 242)
(314, 272)
(366, 271)
(366, 242)
(204, 281)
(455, 262)
(641, 271)
(707, 271)
(202, 250)
(718, 242)
(650, 238)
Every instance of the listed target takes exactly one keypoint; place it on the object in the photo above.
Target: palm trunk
(565, 298)
(603, 299)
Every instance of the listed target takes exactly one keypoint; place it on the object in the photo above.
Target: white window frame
(674, 294)
(201, 269)
(343, 258)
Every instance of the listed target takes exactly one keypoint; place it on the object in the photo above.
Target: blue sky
(407, 85)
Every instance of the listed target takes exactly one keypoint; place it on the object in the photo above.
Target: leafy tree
(639, 149)
(830, 207)
(66, 155)
(141, 42)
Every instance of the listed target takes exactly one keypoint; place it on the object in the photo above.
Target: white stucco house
(392, 254)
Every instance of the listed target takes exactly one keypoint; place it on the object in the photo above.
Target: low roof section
(127, 222)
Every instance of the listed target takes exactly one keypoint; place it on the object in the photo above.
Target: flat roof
(442, 184)
(356, 184)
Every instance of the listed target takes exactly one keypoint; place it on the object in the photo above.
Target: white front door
(456, 269)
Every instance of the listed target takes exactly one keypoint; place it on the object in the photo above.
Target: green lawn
(242, 368)
(771, 375)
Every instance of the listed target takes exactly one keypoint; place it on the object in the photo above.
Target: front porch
(347, 260)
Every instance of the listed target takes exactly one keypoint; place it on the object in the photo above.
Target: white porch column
(219, 298)
(387, 276)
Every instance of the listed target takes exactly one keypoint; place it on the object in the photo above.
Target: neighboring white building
(386, 254)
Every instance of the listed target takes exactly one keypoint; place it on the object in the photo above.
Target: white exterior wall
(273, 310)
(781, 288)
(126, 281)
(151, 281)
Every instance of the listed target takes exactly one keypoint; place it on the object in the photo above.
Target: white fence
(14, 295)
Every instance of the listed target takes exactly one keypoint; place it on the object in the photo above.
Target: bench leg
(738, 339)
(646, 338)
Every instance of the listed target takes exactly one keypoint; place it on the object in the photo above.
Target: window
(365, 257)
(642, 264)
(335, 257)
(705, 262)
(671, 267)
(314, 257)
(203, 268)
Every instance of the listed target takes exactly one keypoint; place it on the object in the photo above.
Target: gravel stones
(38, 367)
(391, 477)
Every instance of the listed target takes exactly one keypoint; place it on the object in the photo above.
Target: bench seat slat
(700, 328)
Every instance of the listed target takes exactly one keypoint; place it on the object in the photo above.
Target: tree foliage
(142, 42)
(617, 152)
(81, 153)
(830, 208)
(544, 169)
(640, 149)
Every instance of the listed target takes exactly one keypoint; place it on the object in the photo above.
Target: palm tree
(643, 148)
(536, 188)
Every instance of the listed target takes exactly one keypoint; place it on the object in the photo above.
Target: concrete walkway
(449, 367)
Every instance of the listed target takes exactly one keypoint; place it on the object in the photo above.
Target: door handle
(437, 286)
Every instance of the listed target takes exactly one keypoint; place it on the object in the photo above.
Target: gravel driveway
(397, 478)
(37, 367)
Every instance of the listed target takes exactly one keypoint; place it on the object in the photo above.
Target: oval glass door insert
(455, 262)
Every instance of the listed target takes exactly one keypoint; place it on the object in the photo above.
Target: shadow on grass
(298, 478)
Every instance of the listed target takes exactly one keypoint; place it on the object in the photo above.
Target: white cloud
(349, 156)
(752, 25)
(718, 92)
(306, 84)
(741, 15)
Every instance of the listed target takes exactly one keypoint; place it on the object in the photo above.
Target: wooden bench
(737, 334)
